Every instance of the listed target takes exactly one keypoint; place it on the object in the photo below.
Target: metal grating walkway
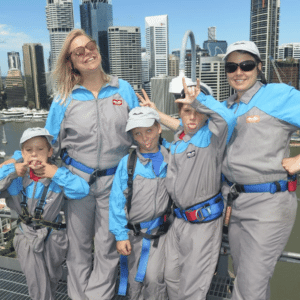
(13, 286)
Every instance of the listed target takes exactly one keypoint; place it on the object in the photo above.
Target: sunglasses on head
(80, 51)
(246, 66)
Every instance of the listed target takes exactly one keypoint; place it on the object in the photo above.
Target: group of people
(158, 210)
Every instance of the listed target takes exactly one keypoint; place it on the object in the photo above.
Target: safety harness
(36, 221)
(162, 222)
(78, 165)
(271, 187)
(202, 212)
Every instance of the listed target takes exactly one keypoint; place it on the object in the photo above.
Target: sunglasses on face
(80, 51)
(246, 66)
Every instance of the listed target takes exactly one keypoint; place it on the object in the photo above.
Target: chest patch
(117, 102)
(253, 119)
(191, 154)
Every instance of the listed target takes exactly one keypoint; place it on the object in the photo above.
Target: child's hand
(21, 168)
(124, 247)
(146, 101)
(46, 171)
(191, 92)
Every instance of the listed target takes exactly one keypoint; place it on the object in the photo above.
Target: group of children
(156, 262)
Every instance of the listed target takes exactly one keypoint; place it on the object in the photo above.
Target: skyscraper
(96, 16)
(60, 21)
(34, 71)
(14, 60)
(212, 72)
(157, 44)
(264, 30)
(291, 50)
(212, 45)
(125, 54)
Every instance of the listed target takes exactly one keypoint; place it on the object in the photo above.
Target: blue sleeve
(166, 144)
(127, 93)
(17, 155)
(280, 101)
(220, 117)
(73, 186)
(55, 117)
(9, 180)
(117, 202)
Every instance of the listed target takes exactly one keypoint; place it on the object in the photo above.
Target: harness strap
(205, 211)
(269, 187)
(142, 267)
(132, 159)
(39, 222)
(78, 165)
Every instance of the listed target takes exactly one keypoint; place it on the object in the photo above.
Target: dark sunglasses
(80, 51)
(246, 66)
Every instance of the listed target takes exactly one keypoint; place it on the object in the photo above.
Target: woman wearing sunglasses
(88, 121)
(264, 202)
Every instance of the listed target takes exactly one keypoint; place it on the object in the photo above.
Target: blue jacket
(63, 183)
(149, 199)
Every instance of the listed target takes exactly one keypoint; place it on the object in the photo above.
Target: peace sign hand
(146, 101)
(191, 92)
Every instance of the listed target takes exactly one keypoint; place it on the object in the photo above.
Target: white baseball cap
(142, 117)
(30, 133)
(243, 45)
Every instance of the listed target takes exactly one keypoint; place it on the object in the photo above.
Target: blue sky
(24, 21)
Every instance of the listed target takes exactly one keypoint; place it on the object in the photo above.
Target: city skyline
(28, 23)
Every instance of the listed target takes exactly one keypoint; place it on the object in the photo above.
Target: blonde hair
(64, 76)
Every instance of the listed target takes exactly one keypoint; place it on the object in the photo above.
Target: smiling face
(36, 151)
(191, 119)
(240, 80)
(91, 60)
(147, 138)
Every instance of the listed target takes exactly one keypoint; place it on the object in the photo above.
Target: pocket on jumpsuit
(59, 242)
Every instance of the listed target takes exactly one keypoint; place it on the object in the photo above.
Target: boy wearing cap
(37, 189)
(133, 223)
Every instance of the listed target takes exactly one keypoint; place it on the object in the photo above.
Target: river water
(285, 284)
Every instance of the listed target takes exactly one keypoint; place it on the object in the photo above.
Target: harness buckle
(38, 212)
(96, 173)
(199, 213)
(136, 229)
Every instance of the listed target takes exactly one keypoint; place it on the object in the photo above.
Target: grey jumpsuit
(261, 223)
(194, 175)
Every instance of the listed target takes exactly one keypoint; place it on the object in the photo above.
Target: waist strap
(269, 187)
(141, 272)
(202, 212)
(78, 165)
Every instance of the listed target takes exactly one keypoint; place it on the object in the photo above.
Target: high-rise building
(212, 45)
(1, 82)
(291, 50)
(173, 65)
(14, 60)
(60, 21)
(15, 88)
(34, 71)
(212, 72)
(125, 54)
(96, 16)
(145, 73)
(157, 44)
(264, 30)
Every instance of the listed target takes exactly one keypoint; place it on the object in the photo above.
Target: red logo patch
(117, 102)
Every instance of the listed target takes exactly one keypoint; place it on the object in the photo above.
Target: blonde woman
(88, 120)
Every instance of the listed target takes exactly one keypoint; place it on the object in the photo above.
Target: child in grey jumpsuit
(37, 189)
(149, 204)
(194, 182)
